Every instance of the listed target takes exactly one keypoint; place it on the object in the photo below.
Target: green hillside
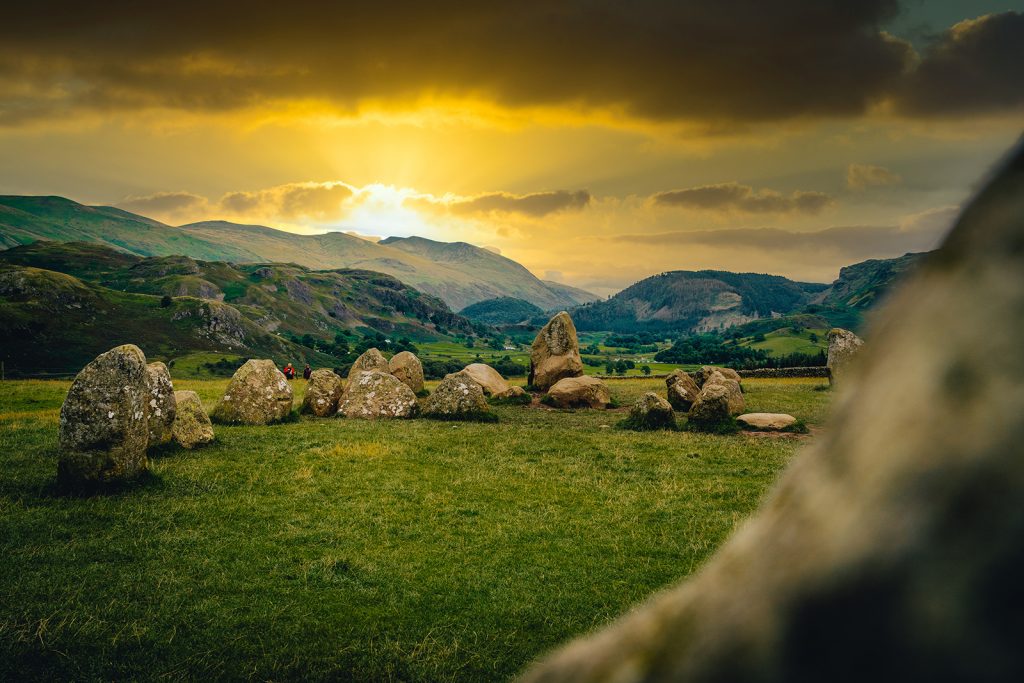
(578, 296)
(104, 297)
(501, 311)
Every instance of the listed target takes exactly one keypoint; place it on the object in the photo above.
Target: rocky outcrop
(371, 359)
(323, 392)
(765, 422)
(579, 392)
(890, 550)
(407, 367)
(843, 346)
(160, 404)
(555, 353)
(192, 426)
(457, 397)
(104, 428)
(650, 412)
(258, 394)
(373, 395)
(682, 390)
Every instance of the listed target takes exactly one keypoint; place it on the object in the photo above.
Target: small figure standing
(307, 372)
(289, 371)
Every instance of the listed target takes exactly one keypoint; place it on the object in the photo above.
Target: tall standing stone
(891, 549)
(192, 426)
(104, 430)
(323, 391)
(843, 346)
(555, 353)
(161, 404)
(682, 390)
(258, 394)
(407, 367)
(371, 359)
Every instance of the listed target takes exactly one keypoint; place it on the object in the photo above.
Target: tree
(813, 337)
(609, 367)
(621, 367)
(166, 301)
(646, 369)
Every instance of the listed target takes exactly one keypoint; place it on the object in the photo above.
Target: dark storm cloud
(736, 197)
(710, 60)
(975, 66)
(536, 204)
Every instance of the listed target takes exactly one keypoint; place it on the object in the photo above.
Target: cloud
(315, 201)
(165, 204)
(743, 198)
(536, 205)
(721, 61)
(863, 176)
(974, 67)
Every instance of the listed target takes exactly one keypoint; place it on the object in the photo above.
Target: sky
(596, 142)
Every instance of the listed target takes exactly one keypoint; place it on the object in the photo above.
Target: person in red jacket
(289, 371)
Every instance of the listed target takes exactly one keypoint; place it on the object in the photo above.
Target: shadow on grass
(63, 488)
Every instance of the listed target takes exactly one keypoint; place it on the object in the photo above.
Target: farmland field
(340, 549)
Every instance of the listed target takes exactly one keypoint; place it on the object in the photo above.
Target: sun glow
(379, 209)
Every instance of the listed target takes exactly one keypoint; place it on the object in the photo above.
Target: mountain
(501, 311)
(577, 295)
(458, 273)
(695, 301)
(66, 301)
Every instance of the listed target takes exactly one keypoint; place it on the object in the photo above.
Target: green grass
(785, 341)
(343, 549)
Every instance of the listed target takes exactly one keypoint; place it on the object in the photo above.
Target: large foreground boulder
(891, 549)
(650, 412)
(843, 346)
(491, 381)
(555, 353)
(104, 429)
(375, 394)
(457, 397)
(682, 390)
(258, 394)
(160, 404)
(371, 359)
(192, 426)
(580, 392)
(407, 367)
(323, 391)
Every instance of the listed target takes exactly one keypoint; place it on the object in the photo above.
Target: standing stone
(407, 367)
(682, 390)
(371, 359)
(555, 353)
(843, 346)
(323, 391)
(650, 412)
(258, 394)
(104, 430)
(701, 376)
(375, 394)
(192, 426)
(161, 404)
(457, 397)
(735, 394)
(891, 548)
(580, 392)
(711, 407)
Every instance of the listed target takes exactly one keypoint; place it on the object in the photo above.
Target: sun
(379, 209)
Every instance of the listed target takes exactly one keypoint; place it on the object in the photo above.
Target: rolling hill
(695, 301)
(458, 273)
(502, 311)
(67, 301)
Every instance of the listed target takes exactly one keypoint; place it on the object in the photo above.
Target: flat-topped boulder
(457, 397)
(376, 395)
(491, 381)
(555, 353)
(843, 347)
(650, 412)
(371, 359)
(323, 392)
(765, 422)
(160, 403)
(682, 390)
(258, 394)
(407, 367)
(192, 426)
(580, 392)
(104, 426)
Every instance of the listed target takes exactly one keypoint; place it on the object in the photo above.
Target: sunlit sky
(594, 142)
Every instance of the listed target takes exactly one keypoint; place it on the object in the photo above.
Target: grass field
(348, 550)
(786, 341)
